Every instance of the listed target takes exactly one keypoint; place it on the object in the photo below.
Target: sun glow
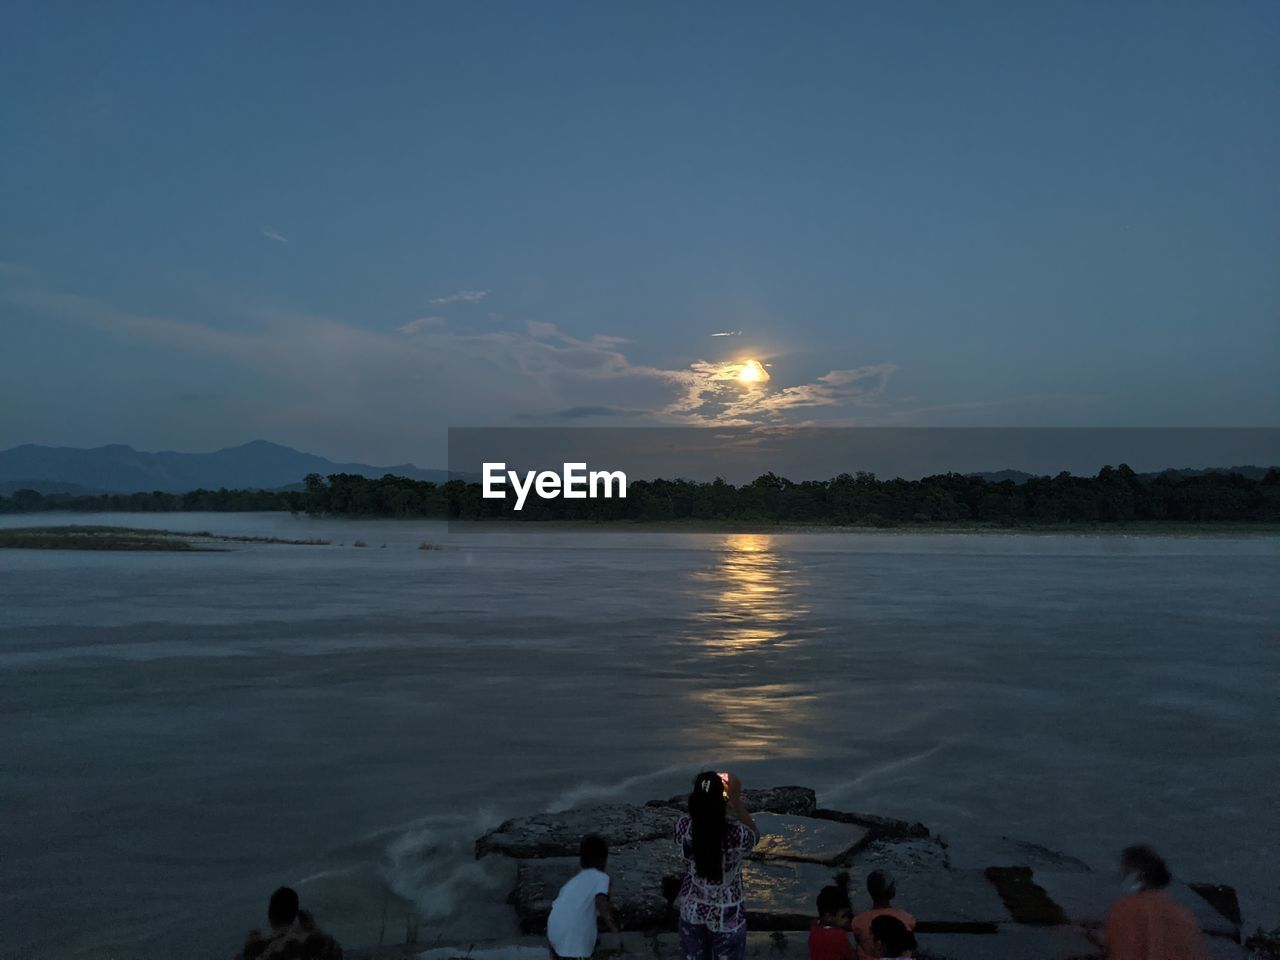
(752, 372)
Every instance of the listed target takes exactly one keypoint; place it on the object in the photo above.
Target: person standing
(1146, 923)
(713, 912)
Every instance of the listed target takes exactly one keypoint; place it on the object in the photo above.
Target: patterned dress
(713, 916)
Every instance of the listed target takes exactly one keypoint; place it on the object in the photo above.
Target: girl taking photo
(713, 915)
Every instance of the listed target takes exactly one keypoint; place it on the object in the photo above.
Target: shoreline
(1165, 529)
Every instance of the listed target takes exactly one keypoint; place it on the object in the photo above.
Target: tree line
(1116, 495)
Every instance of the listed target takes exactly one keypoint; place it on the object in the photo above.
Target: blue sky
(347, 227)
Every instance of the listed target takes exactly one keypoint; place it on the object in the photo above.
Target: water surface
(184, 732)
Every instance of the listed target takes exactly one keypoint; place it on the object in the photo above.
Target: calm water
(182, 733)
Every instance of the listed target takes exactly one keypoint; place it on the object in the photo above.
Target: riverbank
(90, 537)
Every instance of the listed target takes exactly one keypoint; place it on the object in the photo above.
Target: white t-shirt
(571, 928)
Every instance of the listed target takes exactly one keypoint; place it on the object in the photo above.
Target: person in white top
(572, 927)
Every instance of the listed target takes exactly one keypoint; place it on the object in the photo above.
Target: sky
(346, 227)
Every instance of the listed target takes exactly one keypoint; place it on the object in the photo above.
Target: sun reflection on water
(751, 594)
(753, 610)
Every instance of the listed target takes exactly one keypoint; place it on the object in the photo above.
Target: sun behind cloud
(752, 372)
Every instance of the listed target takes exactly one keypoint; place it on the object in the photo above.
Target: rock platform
(997, 899)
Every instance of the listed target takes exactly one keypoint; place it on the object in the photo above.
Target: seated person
(881, 887)
(829, 934)
(294, 935)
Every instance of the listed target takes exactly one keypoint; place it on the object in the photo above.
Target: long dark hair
(707, 811)
(1148, 865)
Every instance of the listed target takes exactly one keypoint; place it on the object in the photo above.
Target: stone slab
(905, 855)
(978, 852)
(1086, 897)
(878, 826)
(780, 894)
(1011, 942)
(560, 834)
(949, 900)
(804, 838)
(636, 893)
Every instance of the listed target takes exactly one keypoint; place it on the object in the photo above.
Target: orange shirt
(862, 929)
(1149, 925)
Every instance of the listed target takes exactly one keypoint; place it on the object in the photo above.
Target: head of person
(594, 852)
(282, 909)
(881, 887)
(835, 909)
(1144, 868)
(891, 936)
(707, 806)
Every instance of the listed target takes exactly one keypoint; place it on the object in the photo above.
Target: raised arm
(740, 808)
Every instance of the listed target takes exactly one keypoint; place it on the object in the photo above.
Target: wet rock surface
(972, 897)
(560, 834)
(828, 842)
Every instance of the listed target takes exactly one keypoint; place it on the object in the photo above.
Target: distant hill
(48, 487)
(1249, 472)
(117, 468)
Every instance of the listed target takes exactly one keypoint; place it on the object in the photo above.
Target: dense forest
(1116, 495)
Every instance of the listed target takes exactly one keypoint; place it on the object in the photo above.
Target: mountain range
(118, 468)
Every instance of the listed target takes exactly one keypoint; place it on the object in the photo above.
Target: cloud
(463, 296)
(584, 413)
(272, 235)
(728, 333)
(376, 386)
(413, 326)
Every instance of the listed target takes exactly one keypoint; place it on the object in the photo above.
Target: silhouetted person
(890, 937)
(829, 934)
(293, 936)
(713, 911)
(882, 889)
(1146, 923)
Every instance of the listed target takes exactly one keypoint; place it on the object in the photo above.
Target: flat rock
(636, 892)
(560, 834)
(979, 852)
(794, 801)
(780, 894)
(1011, 942)
(785, 837)
(904, 855)
(1085, 899)
(877, 826)
(949, 900)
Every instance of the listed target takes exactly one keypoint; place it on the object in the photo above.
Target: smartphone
(724, 780)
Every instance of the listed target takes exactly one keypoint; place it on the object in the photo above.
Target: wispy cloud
(728, 333)
(413, 326)
(273, 235)
(463, 296)
(315, 365)
(583, 413)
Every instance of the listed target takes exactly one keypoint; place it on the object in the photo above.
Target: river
(186, 731)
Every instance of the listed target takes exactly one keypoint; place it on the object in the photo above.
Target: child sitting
(891, 937)
(571, 927)
(829, 934)
(881, 886)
